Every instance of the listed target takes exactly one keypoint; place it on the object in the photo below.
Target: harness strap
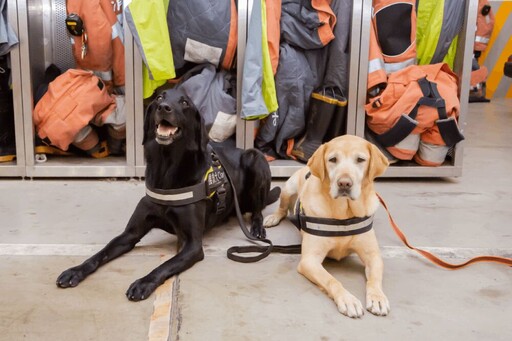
(177, 197)
(434, 259)
(213, 184)
(447, 125)
(330, 227)
(406, 123)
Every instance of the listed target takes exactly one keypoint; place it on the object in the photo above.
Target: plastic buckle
(221, 199)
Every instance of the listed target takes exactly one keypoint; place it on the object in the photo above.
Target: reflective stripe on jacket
(392, 38)
(484, 25)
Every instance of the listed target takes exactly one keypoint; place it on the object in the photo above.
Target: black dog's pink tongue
(166, 130)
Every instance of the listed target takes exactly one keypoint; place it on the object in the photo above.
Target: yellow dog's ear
(316, 163)
(378, 162)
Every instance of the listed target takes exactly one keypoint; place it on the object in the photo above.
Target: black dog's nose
(344, 183)
(164, 107)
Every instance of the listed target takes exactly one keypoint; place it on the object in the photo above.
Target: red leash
(435, 259)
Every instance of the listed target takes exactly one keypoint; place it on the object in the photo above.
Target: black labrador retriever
(187, 191)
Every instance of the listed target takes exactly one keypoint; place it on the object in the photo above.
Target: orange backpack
(73, 99)
(415, 115)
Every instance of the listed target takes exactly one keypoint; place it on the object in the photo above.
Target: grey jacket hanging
(203, 32)
(213, 94)
(305, 64)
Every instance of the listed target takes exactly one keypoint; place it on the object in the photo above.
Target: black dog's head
(172, 119)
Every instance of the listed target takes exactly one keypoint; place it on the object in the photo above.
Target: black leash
(263, 250)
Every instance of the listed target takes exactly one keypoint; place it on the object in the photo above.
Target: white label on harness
(199, 53)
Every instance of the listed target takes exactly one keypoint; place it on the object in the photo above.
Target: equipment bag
(415, 116)
(73, 99)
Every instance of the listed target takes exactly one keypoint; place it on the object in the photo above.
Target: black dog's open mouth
(166, 133)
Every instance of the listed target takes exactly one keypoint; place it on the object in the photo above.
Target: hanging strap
(434, 259)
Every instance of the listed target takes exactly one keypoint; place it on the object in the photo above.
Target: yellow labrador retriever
(337, 203)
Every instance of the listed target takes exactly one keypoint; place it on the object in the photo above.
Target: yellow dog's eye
(360, 160)
(333, 159)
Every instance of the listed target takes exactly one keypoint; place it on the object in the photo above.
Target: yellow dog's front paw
(350, 306)
(377, 303)
(272, 220)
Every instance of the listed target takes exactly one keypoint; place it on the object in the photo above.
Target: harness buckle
(221, 199)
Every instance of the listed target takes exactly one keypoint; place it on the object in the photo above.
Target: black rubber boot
(7, 137)
(116, 140)
(338, 125)
(319, 116)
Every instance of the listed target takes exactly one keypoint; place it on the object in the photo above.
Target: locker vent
(62, 55)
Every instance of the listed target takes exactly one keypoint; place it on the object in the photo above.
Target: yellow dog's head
(347, 164)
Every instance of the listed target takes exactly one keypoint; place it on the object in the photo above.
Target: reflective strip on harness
(336, 227)
(329, 227)
(177, 197)
(214, 183)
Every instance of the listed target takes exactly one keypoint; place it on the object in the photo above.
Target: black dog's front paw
(70, 278)
(258, 231)
(141, 289)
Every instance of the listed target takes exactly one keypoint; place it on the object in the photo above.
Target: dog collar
(329, 227)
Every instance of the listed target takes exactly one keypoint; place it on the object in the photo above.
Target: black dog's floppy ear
(148, 121)
(190, 108)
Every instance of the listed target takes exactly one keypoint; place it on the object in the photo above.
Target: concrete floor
(50, 225)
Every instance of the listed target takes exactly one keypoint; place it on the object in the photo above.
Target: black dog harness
(213, 186)
(329, 227)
